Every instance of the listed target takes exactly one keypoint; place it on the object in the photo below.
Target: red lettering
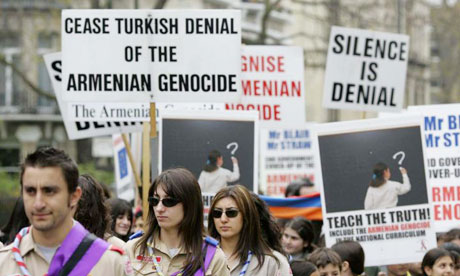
(436, 194)
(448, 193)
(437, 212)
(262, 64)
(280, 64)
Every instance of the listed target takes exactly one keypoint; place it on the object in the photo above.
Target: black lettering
(56, 65)
(338, 44)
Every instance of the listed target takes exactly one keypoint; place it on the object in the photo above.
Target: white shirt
(386, 196)
(212, 182)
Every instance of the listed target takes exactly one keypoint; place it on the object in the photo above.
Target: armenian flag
(308, 206)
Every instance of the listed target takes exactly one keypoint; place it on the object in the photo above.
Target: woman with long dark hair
(383, 192)
(235, 222)
(214, 177)
(93, 210)
(122, 218)
(173, 242)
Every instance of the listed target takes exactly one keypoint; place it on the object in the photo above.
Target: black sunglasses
(167, 202)
(231, 213)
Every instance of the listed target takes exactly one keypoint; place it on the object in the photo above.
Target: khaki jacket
(111, 262)
(269, 268)
(115, 241)
(143, 265)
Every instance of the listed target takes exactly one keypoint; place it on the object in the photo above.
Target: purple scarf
(68, 246)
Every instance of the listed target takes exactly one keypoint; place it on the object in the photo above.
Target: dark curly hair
(93, 211)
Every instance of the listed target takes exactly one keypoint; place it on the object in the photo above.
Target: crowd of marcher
(68, 224)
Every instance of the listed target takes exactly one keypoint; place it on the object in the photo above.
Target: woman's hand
(403, 170)
(234, 160)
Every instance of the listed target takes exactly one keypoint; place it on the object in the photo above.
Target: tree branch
(26, 80)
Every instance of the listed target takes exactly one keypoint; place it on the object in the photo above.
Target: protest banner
(81, 129)
(187, 138)
(374, 188)
(441, 135)
(272, 81)
(91, 128)
(365, 70)
(286, 154)
(123, 172)
(142, 56)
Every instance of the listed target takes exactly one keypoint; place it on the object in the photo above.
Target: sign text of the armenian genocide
(148, 55)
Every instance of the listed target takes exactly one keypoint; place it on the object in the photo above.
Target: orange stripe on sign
(311, 213)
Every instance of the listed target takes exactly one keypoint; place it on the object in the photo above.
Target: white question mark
(235, 144)
(403, 155)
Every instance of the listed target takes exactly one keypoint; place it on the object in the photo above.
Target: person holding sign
(173, 243)
(383, 192)
(214, 177)
(235, 221)
(438, 262)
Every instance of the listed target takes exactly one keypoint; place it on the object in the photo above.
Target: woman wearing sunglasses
(235, 222)
(173, 243)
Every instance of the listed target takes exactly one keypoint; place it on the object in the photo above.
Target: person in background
(438, 262)
(454, 249)
(383, 192)
(93, 210)
(214, 177)
(173, 242)
(122, 217)
(452, 236)
(304, 268)
(16, 222)
(298, 238)
(398, 270)
(352, 255)
(327, 261)
(415, 269)
(235, 222)
(300, 187)
(138, 222)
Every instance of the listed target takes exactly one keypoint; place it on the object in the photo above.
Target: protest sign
(441, 130)
(365, 70)
(207, 200)
(123, 171)
(187, 138)
(374, 188)
(150, 56)
(272, 81)
(81, 129)
(286, 154)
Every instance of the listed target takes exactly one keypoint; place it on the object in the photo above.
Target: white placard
(272, 81)
(82, 129)
(123, 171)
(365, 70)
(391, 221)
(441, 129)
(286, 154)
(151, 55)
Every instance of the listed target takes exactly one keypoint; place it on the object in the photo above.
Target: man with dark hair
(56, 244)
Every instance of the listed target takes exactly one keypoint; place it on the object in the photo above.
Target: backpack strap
(211, 245)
